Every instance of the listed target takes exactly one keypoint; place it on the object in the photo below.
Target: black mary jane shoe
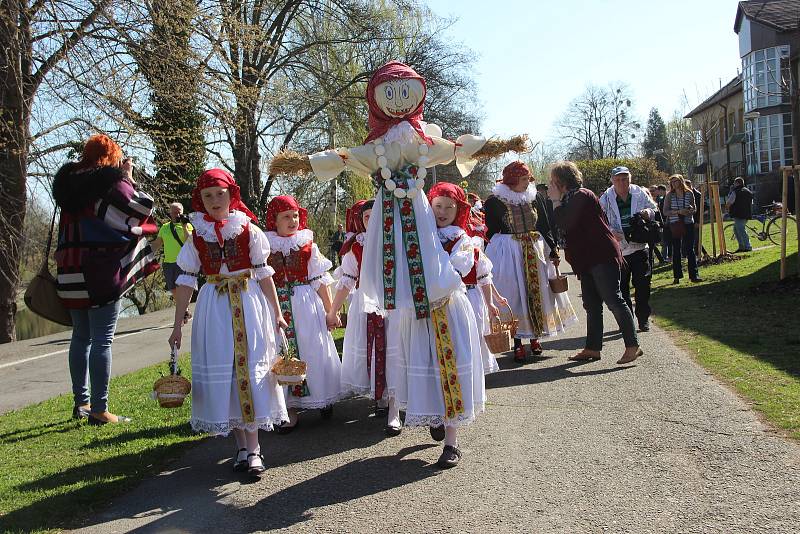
(79, 412)
(393, 431)
(326, 412)
(437, 432)
(239, 466)
(258, 470)
(93, 421)
(286, 429)
(449, 458)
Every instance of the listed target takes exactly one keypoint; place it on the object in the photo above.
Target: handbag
(678, 228)
(41, 296)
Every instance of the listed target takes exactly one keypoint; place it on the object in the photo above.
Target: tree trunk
(246, 156)
(14, 135)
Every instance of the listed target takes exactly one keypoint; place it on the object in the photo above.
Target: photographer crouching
(171, 237)
(625, 203)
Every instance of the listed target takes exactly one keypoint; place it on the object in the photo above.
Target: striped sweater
(102, 251)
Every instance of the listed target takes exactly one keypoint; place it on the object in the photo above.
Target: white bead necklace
(386, 172)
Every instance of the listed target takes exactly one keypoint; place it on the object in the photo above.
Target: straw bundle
(497, 147)
(288, 162)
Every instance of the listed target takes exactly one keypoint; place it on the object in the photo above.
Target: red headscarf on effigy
(455, 193)
(354, 224)
(380, 122)
(284, 203)
(514, 171)
(219, 178)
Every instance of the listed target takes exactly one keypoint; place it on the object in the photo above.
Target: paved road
(659, 446)
(36, 369)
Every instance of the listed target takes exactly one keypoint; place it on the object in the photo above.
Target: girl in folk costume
(364, 351)
(235, 320)
(405, 273)
(524, 256)
(453, 219)
(302, 280)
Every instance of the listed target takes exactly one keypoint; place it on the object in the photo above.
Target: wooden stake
(701, 215)
(723, 248)
(784, 212)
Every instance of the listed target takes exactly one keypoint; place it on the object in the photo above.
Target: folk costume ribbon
(233, 286)
(448, 371)
(376, 344)
(285, 292)
(531, 266)
(408, 225)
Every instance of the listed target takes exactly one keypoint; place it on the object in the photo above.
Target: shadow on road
(519, 376)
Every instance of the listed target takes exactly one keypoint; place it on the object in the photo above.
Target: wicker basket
(503, 328)
(290, 370)
(559, 284)
(170, 391)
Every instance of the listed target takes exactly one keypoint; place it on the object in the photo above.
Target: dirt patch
(789, 285)
(722, 258)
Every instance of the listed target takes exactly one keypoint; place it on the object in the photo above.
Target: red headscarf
(514, 171)
(284, 203)
(219, 178)
(455, 193)
(380, 122)
(354, 223)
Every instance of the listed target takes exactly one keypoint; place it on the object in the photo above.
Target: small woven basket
(289, 369)
(503, 328)
(170, 391)
(559, 284)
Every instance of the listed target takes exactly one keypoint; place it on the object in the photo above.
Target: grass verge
(746, 337)
(54, 470)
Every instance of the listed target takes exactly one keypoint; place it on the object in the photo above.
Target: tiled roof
(782, 15)
(731, 88)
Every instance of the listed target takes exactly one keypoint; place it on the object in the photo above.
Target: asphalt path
(37, 369)
(656, 446)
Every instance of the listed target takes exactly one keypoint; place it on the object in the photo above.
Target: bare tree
(35, 36)
(600, 124)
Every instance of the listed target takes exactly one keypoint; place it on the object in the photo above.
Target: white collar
(450, 233)
(236, 222)
(512, 197)
(285, 245)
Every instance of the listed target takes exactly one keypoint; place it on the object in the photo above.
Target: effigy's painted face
(397, 98)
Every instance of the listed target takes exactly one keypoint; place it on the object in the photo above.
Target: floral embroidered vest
(291, 268)
(520, 218)
(471, 277)
(235, 253)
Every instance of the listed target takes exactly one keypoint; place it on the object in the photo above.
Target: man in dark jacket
(740, 208)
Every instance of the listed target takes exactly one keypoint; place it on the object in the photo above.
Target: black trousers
(637, 271)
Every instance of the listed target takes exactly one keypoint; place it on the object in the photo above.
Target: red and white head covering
(354, 223)
(455, 193)
(284, 203)
(219, 178)
(380, 122)
(513, 172)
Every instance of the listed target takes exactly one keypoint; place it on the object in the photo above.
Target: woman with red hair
(234, 337)
(102, 252)
(525, 256)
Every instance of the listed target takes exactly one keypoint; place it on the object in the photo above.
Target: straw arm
(497, 147)
(288, 162)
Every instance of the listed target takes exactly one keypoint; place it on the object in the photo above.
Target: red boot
(519, 351)
(536, 347)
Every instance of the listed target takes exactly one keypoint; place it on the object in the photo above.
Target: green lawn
(54, 470)
(748, 339)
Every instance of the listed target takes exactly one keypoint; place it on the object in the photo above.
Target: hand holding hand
(332, 320)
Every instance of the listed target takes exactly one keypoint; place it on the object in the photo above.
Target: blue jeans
(599, 285)
(741, 234)
(684, 245)
(90, 354)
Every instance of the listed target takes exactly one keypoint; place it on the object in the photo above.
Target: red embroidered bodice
(235, 253)
(292, 268)
(471, 277)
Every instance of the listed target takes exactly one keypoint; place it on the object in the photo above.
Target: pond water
(29, 325)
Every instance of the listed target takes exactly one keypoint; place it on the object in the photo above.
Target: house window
(761, 71)
(769, 142)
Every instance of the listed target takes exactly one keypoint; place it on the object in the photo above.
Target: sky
(534, 56)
